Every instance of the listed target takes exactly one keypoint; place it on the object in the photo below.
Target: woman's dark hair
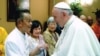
(35, 24)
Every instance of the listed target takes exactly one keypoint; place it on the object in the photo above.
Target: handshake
(42, 45)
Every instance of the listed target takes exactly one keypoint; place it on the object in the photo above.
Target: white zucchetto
(62, 5)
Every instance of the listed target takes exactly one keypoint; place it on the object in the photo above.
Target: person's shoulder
(46, 32)
(94, 25)
(10, 40)
(79, 25)
(57, 33)
(12, 36)
(2, 29)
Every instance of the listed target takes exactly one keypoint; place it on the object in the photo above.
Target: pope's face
(57, 16)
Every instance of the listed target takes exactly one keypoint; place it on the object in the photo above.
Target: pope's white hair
(68, 11)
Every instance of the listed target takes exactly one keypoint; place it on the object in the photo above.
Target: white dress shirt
(16, 44)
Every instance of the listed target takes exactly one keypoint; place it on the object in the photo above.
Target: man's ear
(20, 22)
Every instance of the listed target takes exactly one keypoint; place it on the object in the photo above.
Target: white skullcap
(50, 19)
(62, 5)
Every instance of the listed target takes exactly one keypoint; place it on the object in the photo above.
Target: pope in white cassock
(77, 38)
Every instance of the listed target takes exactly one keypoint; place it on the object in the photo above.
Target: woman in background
(37, 45)
(50, 35)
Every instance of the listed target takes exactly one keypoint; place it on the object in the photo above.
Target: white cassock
(16, 44)
(77, 39)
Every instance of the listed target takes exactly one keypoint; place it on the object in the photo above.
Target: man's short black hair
(20, 15)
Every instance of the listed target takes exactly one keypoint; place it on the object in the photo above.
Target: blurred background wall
(41, 10)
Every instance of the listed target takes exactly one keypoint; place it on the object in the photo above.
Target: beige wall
(3, 16)
(38, 8)
(51, 4)
(87, 10)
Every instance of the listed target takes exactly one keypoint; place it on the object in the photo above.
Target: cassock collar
(66, 26)
(69, 22)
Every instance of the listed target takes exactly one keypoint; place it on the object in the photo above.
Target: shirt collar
(20, 33)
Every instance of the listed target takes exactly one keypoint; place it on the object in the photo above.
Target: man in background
(96, 26)
(83, 18)
(89, 20)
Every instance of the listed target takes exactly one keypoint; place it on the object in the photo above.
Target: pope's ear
(64, 13)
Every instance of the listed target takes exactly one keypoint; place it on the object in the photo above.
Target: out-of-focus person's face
(89, 20)
(52, 26)
(26, 24)
(36, 32)
(57, 16)
(98, 20)
(83, 18)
